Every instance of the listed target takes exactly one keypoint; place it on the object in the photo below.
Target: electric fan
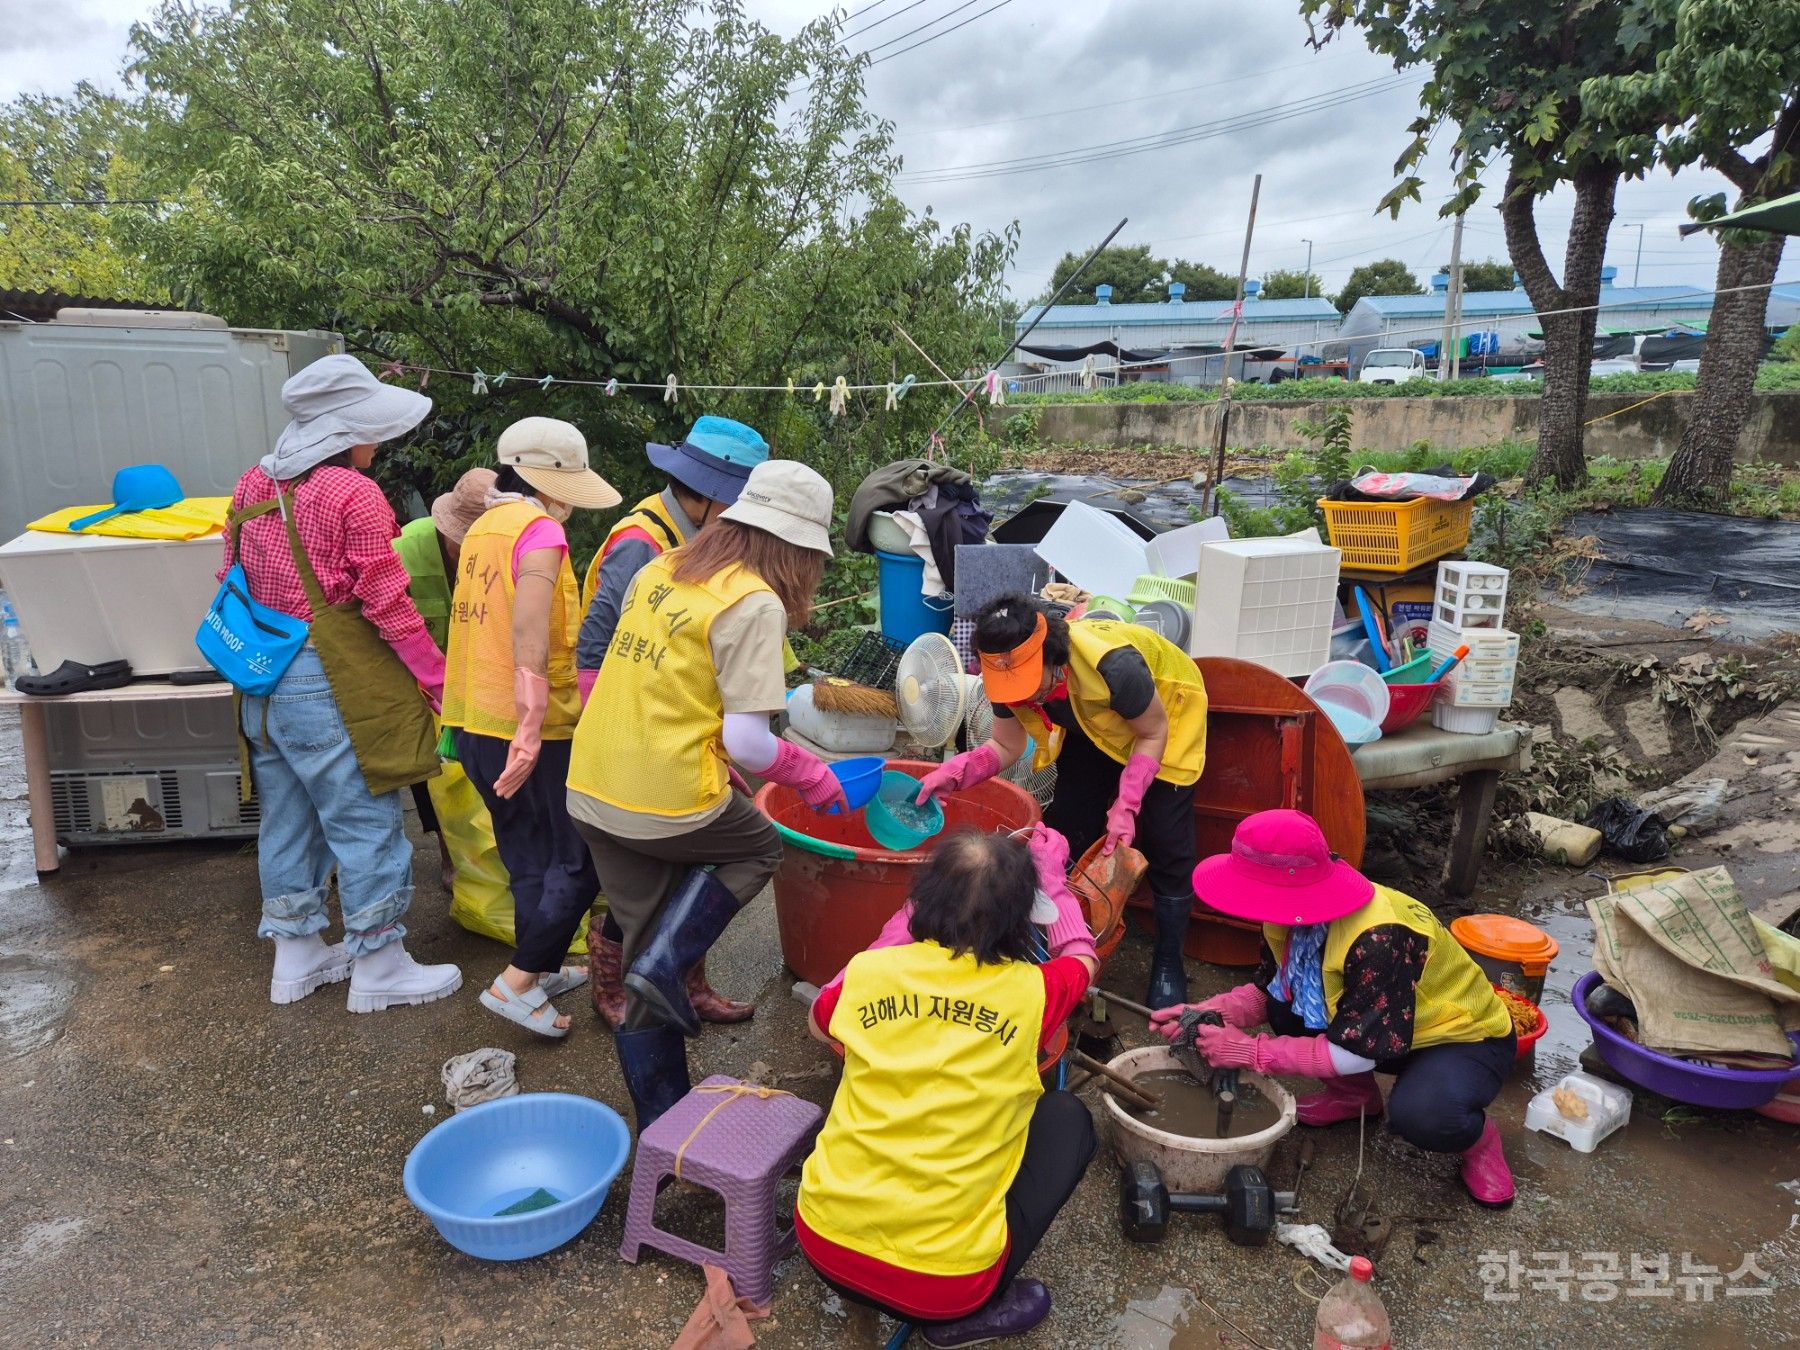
(932, 689)
(978, 727)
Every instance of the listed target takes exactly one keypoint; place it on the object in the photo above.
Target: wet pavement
(181, 1162)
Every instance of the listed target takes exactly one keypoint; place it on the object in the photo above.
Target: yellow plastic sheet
(189, 518)
(481, 900)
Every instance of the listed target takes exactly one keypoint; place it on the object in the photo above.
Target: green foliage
(1489, 275)
(1506, 531)
(1787, 346)
(1384, 276)
(67, 149)
(1138, 277)
(598, 190)
(1291, 284)
(1303, 477)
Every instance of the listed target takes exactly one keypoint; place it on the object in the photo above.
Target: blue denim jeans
(317, 814)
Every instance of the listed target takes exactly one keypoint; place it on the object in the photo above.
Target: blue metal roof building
(1178, 324)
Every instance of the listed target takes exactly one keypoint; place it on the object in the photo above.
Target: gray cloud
(1002, 87)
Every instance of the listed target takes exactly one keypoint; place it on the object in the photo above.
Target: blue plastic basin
(860, 777)
(484, 1159)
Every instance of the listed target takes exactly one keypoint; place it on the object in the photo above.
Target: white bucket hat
(336, 403)
(552, 456)
(788, 500)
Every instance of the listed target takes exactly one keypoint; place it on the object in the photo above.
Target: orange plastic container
(1103, 886)
(1396, 536)
(1515, 954)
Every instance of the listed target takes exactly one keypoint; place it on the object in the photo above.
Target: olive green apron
(391, 729)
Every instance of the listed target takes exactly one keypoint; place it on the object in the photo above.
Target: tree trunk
(1700, 473)
(1568, 337)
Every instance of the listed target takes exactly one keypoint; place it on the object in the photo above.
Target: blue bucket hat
(714, 460)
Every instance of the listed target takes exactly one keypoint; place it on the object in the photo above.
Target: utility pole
(1637, 268)
(1450, 298)
(1309, 244)
(1209, 497)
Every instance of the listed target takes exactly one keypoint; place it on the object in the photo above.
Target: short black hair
(509, 479)
(1003, 624)
(974, 896)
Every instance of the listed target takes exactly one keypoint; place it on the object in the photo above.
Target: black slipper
(71, 677)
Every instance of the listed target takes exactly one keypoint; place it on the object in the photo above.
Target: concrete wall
(1771, 435)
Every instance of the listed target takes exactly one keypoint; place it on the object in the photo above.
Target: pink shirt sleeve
(541, 533)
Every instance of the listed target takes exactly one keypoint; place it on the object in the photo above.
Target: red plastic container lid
(1505, 938)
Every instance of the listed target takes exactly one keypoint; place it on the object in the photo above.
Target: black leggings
(1059, 1145)
(1441, 1093)
(1087, 784)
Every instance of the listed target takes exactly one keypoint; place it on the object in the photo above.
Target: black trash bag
(1629, 831)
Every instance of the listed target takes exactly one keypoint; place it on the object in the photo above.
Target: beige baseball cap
(552, 456)
(789, 500)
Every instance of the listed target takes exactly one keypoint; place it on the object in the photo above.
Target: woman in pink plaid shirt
(318, 814)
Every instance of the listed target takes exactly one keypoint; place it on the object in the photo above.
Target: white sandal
(532, 1009)
(559, 982)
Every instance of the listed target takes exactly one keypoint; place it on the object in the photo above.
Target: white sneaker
(389, 978)
(305, 964)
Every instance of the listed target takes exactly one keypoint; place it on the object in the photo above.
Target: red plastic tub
(1407, 703)
(836, 886)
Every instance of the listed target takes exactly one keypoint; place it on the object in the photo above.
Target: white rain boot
(388, 977)
(304, 964)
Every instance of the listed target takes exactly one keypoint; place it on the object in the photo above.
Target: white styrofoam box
(1177, 553)
(1468, 721)
(1270, 601)
(1484, 644)
(845, 733)
(1094, 549)
(95, 599)
(1608, 1109)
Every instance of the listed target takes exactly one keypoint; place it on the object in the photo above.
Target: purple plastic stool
(742, 1152)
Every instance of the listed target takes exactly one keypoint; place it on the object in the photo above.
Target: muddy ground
(183, 1163)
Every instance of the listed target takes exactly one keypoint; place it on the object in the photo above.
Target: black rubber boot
(1168, 973)
(689, 925)
(654, 1062)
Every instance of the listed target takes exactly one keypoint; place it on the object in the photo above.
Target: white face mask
(559, 511)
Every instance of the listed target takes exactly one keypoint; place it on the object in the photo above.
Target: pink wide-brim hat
(1280, 870)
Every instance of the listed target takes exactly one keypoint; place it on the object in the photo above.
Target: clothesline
(837, 392)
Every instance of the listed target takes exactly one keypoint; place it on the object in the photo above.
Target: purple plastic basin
(1696, 1084)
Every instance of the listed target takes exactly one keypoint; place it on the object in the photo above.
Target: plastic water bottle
(17, 650)
(1352, 1315)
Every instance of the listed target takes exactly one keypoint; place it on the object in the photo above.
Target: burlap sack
(1687, 954)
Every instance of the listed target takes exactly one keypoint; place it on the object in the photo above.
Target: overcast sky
(1031, 78)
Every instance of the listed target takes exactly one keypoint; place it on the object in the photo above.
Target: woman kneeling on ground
(1358, 979)
(944, 1160)
(693, 673)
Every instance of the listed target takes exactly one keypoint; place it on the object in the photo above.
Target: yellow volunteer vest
(652, 517)
(417, 545)
(651, 739)
(928, 1126)
(1454, 1003)
(1178, 683)
(478, 662)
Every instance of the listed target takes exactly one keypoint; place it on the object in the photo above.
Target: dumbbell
(1249, 1204)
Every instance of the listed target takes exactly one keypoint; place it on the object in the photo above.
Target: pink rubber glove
(531, 700)
(1050, 851)
(959, 772)
(1121, 821)
(1245, 1006)
(419, 654)
(808, 775)
(1229, 1048)
(584, 681)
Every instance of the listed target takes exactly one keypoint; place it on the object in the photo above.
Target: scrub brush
(832, 693)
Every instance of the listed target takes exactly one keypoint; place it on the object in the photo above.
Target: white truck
(1392, 365)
